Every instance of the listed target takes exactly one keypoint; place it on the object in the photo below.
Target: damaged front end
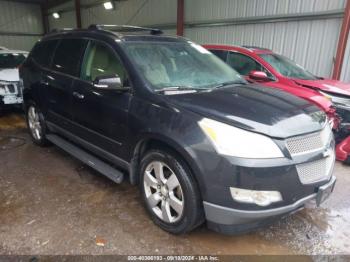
(341, 127)
(10, 93)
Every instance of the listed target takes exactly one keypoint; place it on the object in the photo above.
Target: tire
(36, 125)
(174, 203)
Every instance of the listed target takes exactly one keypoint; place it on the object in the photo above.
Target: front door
(101, 116)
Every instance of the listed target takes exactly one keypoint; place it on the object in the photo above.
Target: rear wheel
(36, 125)
(170, 193)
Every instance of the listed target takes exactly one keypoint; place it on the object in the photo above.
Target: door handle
(78, 95)
(44, 82)
(45, 79)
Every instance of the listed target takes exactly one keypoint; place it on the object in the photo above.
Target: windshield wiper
(179, 88)
(229, 83)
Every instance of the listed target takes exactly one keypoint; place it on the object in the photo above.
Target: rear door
(59, 80)
(101, 116)
(35, 70)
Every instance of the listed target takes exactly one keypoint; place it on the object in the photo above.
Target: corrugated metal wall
(67, 19)
(312, 44)
(197, 10)
(133, 12)
(20, 18)
(345, 76)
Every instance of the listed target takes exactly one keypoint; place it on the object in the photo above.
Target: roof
(243, 49)
(122, 32)
(256, 48)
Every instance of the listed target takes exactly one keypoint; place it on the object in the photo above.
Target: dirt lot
(52, 204)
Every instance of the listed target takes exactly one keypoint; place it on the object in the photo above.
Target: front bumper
(11, 99)
(233, 221)
(11, 94)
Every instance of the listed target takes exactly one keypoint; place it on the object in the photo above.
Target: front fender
(184, 151)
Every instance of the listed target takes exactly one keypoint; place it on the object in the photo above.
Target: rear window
(43, 51)
(68, 55)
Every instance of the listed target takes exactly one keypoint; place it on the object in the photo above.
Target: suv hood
(10, 75)
(332, 86)
(255, 108)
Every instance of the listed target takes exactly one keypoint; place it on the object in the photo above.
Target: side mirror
(110, 82)
(259, 76)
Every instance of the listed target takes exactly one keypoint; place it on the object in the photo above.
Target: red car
(274, 70)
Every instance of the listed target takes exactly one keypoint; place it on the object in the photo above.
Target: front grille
(309, 143)
(316, 171)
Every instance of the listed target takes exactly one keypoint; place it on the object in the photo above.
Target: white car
(10, 83)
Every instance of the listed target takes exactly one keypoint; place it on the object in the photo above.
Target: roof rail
(59, 30)
(126, 28)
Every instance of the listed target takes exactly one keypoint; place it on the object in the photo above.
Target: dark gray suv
(202, 143)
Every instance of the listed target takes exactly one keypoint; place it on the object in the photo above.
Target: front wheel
(36, 125)
(170, 193)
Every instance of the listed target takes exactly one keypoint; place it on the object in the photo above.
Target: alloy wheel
(163, 192)
(34, 123)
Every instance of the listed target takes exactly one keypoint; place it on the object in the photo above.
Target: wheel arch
(158, 142)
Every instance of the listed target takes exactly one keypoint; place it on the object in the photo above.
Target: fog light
(260, 198)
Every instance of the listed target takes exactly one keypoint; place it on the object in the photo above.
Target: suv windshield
(181, 64)
(11, 60)
(287, 67)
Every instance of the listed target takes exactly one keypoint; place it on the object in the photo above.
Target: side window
(242, 63)
(100, 60)
(43, 51)
(68, 55)
(220, 53)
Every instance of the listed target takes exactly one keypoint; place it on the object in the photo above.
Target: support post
(44, 16)
(342, 43)
(78, 13)
(180, 24)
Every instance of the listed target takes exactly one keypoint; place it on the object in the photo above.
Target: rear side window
(220, 53)
(43, 51)
(68, 55)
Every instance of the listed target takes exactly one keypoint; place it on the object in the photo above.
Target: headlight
(232, 141)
